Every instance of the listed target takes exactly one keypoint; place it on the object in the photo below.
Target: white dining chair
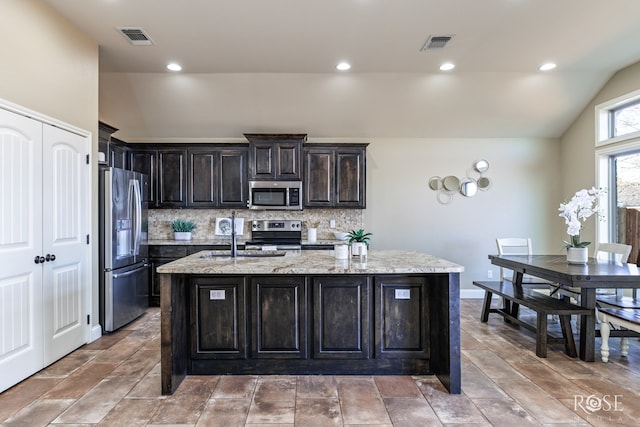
(619, 318)
(614, 297)
(522, 246)
(519, 246)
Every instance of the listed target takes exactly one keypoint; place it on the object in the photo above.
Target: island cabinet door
(279, 317)
(218, 318)
(341, 309)
(401, 317)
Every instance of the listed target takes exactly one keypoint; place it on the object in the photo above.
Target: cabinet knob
(39, 259)
(50, 257)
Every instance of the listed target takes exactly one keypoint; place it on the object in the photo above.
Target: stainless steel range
(278, 234)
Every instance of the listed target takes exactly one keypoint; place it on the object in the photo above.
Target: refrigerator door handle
(130, 272)
(109, 231)
(137, 206)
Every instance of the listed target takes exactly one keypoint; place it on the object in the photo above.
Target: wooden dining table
(587, 277)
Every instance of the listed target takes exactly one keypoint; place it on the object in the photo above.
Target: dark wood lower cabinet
(401, 318)
(159, 255)
(279, 323)
(310, 325)
(341, 308)
(162, 254)
(219, 311)
(314, 318)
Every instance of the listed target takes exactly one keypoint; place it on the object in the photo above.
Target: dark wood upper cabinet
(166, 171)
(275, 156)
(118, 153)
(350, 176)
(206, 176)
(319, 177)
(233, 187)
(172, 185)
(144, 161)
(217, 175)
(334, 175)
(217, 178)
(202, 171)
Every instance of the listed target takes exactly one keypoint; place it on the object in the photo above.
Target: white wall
(403, 212)
(577, 152)
(51, 68)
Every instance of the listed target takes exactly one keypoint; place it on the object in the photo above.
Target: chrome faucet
(234, 244)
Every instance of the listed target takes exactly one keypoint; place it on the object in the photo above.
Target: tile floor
(114, 381)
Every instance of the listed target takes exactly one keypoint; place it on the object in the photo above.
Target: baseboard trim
(471, 293)
(96, 332)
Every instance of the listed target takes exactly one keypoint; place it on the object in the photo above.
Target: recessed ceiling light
(447, 66)
(548, 66)
(343, 66)
(174, 67)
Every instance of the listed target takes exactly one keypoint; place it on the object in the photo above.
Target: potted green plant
(358, 239)
(182, 229)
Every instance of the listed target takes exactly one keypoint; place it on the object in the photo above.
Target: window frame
(605, 119)
(607, 147)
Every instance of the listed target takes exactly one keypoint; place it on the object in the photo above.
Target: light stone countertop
(225, 241)
(308, 262)
(168, 242)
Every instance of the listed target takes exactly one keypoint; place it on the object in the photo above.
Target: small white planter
(355, 248)
(182, 235)
(577, 255)
(312, 234)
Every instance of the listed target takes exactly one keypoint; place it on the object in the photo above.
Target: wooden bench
(622, 317)
(543, 305)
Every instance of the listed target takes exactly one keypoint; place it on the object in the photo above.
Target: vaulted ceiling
(269, 65)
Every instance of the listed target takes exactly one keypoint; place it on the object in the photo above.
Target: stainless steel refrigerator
(123, 266)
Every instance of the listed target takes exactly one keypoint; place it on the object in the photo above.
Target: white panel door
(21, 339)
(65, 247)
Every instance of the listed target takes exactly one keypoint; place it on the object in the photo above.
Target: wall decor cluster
(449, 185)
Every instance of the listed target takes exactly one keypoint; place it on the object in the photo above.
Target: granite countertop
(193, 242)
(310, 262)
(225, 241)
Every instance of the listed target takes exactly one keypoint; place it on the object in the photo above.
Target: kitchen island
(306, 312)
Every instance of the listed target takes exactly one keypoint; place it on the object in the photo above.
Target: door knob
(50, 257)
(39, 259)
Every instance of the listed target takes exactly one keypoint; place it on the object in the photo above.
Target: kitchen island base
(306, 312)
(326, 325)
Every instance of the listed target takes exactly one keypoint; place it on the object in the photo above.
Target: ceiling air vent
(435, 42)
(136, 36)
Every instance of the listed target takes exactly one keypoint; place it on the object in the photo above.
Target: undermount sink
(242, 255)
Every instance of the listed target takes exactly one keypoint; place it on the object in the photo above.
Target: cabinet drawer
(167, 251)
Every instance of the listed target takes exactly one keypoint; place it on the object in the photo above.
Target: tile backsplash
(205, 219)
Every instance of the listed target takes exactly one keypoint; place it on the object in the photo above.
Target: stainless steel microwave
(282, 195)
